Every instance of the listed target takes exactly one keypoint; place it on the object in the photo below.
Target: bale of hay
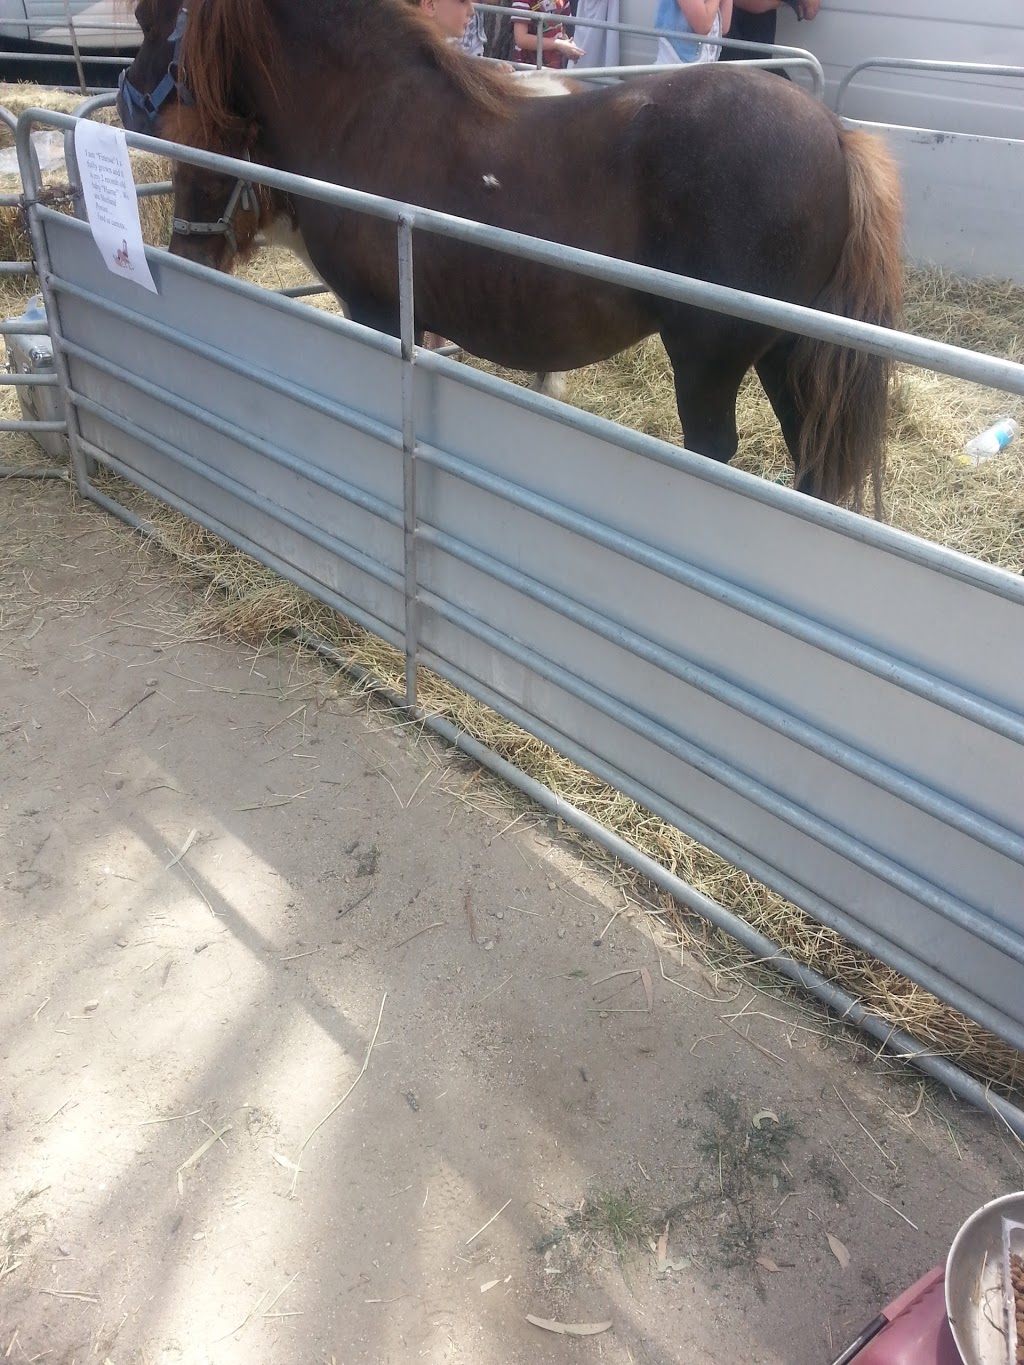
(24, 95)
(155, 213)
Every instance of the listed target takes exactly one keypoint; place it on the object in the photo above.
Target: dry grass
(978, 511)
(147, 169)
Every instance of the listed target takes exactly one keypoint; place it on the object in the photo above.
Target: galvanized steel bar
(779, 51)
(302, 291)
(626, 73)
(407, 334)
(35, 381)
(21, 327)
(881, 775)
(40, 249)
(934, 355)
(803, 628)
(58, 56)
(241, 542)
(921, 64)
(761, 949)
(737, 855)
(274, 453)
(30, 426)
(806, 822)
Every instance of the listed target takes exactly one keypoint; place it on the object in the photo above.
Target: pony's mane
(222, 34)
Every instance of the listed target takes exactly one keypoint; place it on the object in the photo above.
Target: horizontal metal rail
(31, 426)
(780, 53)
(632, 72)
(879, 774)
(894, 1040)
(80, 25)
(922, 64)
(733, 852)
(37, 57)
(900, 346)
(279, 565)
(730, 777)
(303, 291)
(40, 381)
(543, 661)
(22, 327)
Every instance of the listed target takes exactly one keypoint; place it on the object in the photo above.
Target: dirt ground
(229, 883)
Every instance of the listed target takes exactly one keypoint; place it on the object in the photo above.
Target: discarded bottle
(989, 443)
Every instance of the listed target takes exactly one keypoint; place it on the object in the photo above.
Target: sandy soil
(227, 882)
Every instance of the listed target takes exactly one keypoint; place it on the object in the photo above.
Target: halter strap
(140, 112)
(242, 196)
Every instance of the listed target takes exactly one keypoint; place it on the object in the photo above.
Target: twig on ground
(489, 1222)
(337, 1105)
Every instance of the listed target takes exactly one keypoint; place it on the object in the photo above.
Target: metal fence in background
(48, 429)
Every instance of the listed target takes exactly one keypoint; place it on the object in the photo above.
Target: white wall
(848, 31)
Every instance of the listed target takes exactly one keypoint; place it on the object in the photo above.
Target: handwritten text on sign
(109, 189)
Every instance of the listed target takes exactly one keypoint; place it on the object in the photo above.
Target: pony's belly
(543, 344)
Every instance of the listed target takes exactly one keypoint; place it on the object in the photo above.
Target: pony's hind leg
(707, 382)
(773, 370)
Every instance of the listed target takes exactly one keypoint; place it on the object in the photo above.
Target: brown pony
(716, 172)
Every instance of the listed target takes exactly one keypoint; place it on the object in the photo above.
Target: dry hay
(155, 213)
(979, 511)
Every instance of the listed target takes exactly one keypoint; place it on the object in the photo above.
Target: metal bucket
(975, 1285)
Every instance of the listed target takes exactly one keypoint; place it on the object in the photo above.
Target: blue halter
(139, 112)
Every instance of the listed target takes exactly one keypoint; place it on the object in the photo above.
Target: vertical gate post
(32, 181)
(407, 331)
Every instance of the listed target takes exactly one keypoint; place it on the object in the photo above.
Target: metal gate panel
(835, 707)
(964, 197)
(802, 594)
(192, 405)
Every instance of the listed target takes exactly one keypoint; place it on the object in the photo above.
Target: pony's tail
(219, 36)
(843, 395)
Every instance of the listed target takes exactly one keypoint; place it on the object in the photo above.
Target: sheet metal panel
(580, 585)
(312, 361)
(964, 199)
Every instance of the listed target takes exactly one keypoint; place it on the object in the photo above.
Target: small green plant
(746, 1155)
(620, 1216)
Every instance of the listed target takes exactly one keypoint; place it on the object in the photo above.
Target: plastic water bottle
(989, 443)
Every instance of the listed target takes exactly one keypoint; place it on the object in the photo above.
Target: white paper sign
(110, 199)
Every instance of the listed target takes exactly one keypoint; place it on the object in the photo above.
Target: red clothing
(556, 9)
